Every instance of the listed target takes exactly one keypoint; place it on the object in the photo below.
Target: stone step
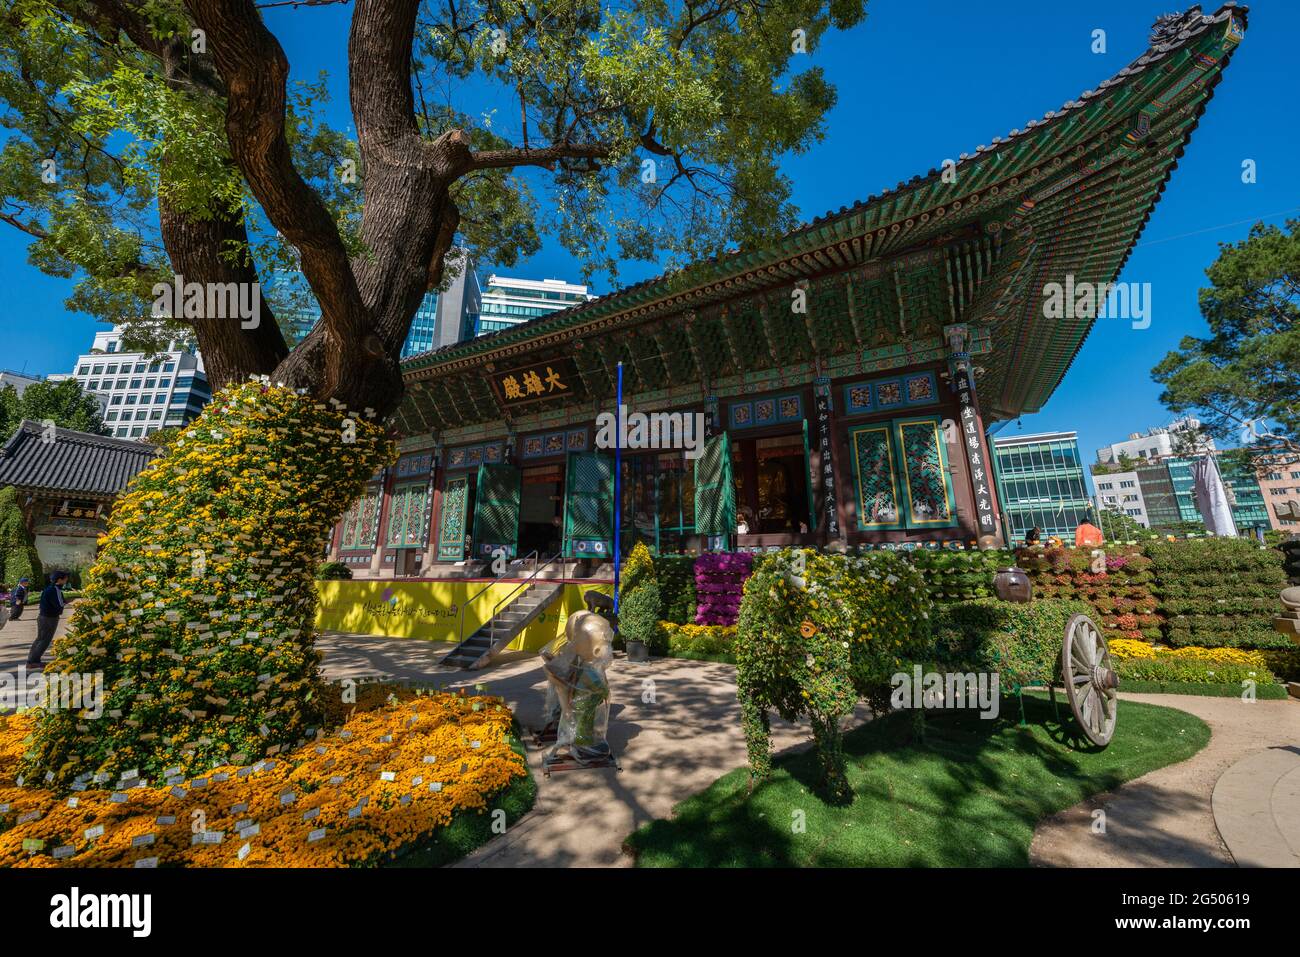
(1285, 802)
(508, 623)
(1256, 806)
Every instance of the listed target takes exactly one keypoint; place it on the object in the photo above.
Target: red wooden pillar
(973, 439)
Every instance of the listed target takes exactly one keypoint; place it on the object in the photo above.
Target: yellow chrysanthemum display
(198, 612)
(1124, 648)
(385, 779)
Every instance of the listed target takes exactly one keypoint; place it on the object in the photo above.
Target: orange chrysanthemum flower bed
(395, 768)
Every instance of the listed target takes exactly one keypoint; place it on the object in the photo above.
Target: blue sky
(921, 81)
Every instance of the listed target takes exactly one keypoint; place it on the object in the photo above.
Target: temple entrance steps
(478, 650)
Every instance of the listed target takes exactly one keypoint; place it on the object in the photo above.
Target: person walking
(47, 618)
(18, 600)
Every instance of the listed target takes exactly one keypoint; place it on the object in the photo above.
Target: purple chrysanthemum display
(719, 586)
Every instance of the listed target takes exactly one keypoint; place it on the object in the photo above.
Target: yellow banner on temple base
(430, 610)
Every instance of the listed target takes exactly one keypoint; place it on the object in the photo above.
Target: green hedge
(1283, 662)
(676, 574)
(700, 642)
(1262, 608)
(333, 571)
(952, 575)
(1215, 631)
(1022, 642)
(1217, 585)
(18, 556)
(1218, 592)
(1233, 555)
(1262, 692)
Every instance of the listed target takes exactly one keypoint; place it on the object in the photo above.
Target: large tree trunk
(200, 610)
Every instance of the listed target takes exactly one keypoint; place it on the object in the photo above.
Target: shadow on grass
(969, 795)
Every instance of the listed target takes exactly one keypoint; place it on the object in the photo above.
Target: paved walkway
(675, 727)
(1168, 818)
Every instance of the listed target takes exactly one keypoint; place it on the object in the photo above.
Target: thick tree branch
(181, 65)
(255, 70)
(383, 104)
(544, 156)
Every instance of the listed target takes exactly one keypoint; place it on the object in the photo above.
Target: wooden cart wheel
(1090, 680)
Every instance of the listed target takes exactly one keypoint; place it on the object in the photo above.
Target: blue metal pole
(618, 485)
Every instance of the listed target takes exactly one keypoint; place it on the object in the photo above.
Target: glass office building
(1158, 494)
(1248, 508)
(509, 302)
(1244, 494)
(1040, 479)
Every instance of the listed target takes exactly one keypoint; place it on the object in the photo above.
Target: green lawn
(968, 797)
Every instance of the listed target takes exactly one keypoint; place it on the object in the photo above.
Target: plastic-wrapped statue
(576, 680)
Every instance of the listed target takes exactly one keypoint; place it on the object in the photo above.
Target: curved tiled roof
(74, 462)
(1170, 34)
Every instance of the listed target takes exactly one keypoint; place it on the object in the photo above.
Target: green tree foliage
(1243, 379)
(63, 403)
(17, 547)
(655, 128)
(1119, 527)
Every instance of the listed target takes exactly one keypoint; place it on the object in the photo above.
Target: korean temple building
(848, 371)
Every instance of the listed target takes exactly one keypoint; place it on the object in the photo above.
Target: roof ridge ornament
(1169, 25)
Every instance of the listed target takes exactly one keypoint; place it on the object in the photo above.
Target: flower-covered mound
(386, 780)
(198, 612)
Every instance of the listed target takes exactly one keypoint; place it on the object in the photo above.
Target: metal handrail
(525, 584)
(461, 632)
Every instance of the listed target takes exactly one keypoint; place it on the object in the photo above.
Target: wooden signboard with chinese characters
(540, 382)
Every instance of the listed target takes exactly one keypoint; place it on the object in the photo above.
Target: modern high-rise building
(1167, 490)
(1279, 484)
(507, 302)
(1159, 498)
(19, 380)
(445, 318)
(140, 394)
(1249, 511)
(1041, 484)
(1121, 492)
(1180, 437)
